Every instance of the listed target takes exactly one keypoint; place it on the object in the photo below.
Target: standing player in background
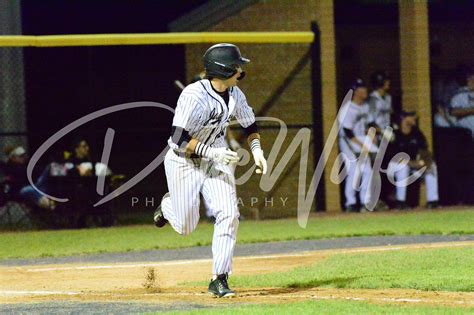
(380, 104)
(380, 101)
(462, 104)
(354, 121)
(462, 107)
(199, 160)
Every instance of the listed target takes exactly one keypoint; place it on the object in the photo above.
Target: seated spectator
(82, 175)
(75, 165)
(442, 119)
(445, 85)
(34, 197)
(407, 138)
(454, 81)
(14, 173)
(462, 104)
(79, 162)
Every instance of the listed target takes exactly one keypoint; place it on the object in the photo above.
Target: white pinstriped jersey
(464, 99)
(381, 108)
(204, 114)
(355, 117)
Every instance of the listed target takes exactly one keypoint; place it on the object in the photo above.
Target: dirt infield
(116, 282)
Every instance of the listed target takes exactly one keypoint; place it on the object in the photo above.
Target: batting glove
(220, 155)
(258, 157)
(260, 162)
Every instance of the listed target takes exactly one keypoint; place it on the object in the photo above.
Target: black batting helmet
(377, 79)
(357, 84)
(220, 61)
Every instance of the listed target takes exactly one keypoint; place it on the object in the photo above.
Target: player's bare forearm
(191, 147)
(229, 136)
(252, 137)
(232, 141)
(426, 156)
(357, 141)
(462, 112)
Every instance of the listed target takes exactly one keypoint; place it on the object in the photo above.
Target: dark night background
(64, 84)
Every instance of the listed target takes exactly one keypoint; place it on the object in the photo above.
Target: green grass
(145, 237)
(332, 307)
(443, 269)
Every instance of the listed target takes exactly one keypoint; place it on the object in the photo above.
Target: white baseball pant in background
(402, 174)
(358, 175)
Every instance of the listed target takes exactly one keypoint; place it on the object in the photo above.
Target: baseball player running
(199, 160)
(233, 144)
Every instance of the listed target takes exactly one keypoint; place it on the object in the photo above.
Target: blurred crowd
(371, 110)
(72, 174)
(453, 98)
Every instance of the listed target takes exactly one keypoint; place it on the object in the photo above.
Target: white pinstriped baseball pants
(358, 176)
(185, 182)
(401, 176)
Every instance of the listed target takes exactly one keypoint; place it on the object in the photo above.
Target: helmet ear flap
(220, 71)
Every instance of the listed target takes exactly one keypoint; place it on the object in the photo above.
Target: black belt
(186, 155)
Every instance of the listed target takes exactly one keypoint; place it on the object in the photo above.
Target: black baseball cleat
(220, 287)
(158, 216)
(432, 205)
(351, 208)
(364, 209)
(401, 205)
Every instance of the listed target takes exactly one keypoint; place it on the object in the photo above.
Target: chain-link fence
(12, 83)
